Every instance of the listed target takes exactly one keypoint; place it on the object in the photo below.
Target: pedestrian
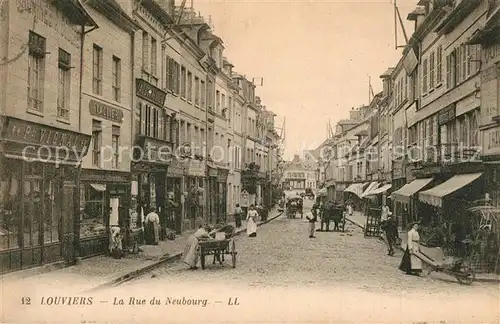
(191, 254)
(410, 263)
(312, 218)
(326, 215)
(391, 234)
(152, 227)
(252, 216)
(115, 242)
(350, 210)
(385, 213)
(237, 215)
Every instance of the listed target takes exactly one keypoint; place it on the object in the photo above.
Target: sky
(315, 56)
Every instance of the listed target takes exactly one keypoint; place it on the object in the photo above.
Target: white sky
(315, 56)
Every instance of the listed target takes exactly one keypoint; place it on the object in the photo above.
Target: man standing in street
(312, 218)
(391, 233)
(326, 215)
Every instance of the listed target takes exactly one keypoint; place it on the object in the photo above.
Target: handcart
(458, 268)
(223, 244)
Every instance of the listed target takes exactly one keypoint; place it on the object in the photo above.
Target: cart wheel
(202, 259)
(233, 254)
(467, 276)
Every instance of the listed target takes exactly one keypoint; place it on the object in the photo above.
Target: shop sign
(489, 101)
(491, 53)
(104, 111)
(447, 114)
(154, 151)
(491, 140)
(176, 168)
(196, 168)
(222, 175)
(149, 92)
(26, 132)
(212, 172)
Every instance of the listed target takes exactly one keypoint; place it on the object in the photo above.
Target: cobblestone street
(283, 257)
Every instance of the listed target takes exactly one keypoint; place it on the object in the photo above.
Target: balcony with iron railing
(448, 154)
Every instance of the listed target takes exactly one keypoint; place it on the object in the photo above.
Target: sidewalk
(96, 272)
(359, 219)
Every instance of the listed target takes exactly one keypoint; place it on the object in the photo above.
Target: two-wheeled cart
(219, 249)
(458, 268)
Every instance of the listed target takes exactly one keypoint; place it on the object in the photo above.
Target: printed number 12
(26, 301)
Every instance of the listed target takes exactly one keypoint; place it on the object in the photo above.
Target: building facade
(42, 134)
(106, 113)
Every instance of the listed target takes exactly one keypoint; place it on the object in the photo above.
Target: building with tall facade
(111, 109)
(434, 125)
(41, 113)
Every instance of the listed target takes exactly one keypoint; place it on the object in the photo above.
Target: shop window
(32, 203)
(51, 218)
(10, 213)
(93, 215)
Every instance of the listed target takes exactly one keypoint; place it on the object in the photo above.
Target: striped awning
(370, 187)
(435, 196)
(404, 193)
(355, 188)
(380, 190)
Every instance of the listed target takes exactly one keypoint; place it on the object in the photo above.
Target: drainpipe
(76, 199)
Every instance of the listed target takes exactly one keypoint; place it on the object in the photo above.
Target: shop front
(212, 193)
(104, 202)
(222, 175)
(443, 207)
(175, 173)
(406, 202)
(194, 174)
(38, 193)
(149, 168)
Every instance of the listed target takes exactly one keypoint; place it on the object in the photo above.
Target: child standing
(313, 218)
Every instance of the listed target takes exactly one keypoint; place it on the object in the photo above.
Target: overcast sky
(315, 56)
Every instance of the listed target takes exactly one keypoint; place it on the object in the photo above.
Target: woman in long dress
(410, 263)
(190, 255)
(153, 227)
(252, 216)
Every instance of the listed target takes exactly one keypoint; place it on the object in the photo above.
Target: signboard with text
(491, 141)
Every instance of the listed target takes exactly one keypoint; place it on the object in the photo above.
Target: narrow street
(282, 260)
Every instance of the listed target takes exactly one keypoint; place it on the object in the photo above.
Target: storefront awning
(322, 192)
(434, 196)
(370, 187)
(355, 188)
(404, 193)
(98, 187)
(380, 190)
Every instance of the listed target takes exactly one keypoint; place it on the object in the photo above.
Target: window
(154, 62)
(115, 142)
(36, 71)
(97, 70)
(223, 101)
(189, 87)
(183, 82)
(217, 98)
(203, 94)
(96, 143)
(93, 200)
(117, 76)
(431, 71)
(64, 80)
(210, 94)
(197, 91)
(474, 136)
(464, 50)
(450, 70)
(424, 77)
(10, 209)
(439, 65)
(145, 51)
